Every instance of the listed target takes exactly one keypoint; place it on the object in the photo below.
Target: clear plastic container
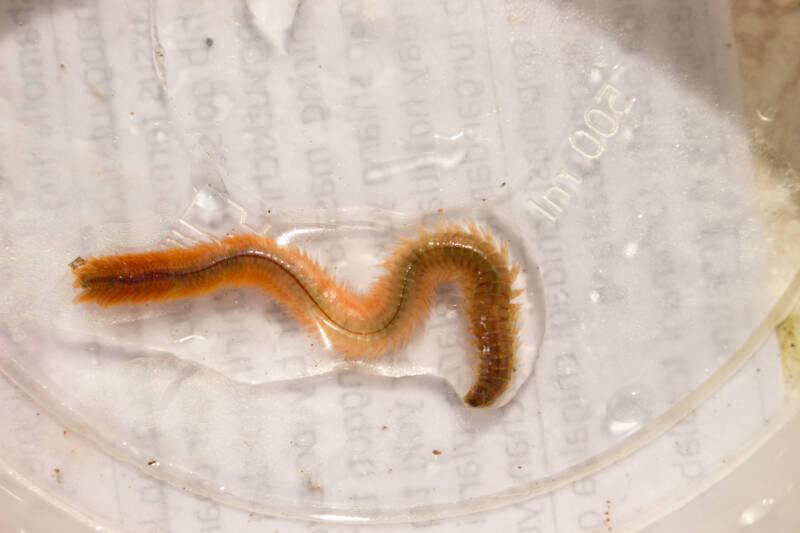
(606, 143)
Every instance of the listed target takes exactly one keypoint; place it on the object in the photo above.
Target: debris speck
(97, 92)
(437, 452)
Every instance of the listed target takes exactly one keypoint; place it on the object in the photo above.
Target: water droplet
(767, 113)
(756, 512)
(190, 338)
(382, 171)
(456, 136)
(628, 409)
(631, 248)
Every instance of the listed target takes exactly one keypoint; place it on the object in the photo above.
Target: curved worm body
(366, 324)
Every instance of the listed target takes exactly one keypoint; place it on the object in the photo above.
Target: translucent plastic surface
(606, 148)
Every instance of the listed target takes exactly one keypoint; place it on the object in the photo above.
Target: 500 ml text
(600, 123)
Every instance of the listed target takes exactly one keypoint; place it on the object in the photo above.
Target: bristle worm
(371, 323)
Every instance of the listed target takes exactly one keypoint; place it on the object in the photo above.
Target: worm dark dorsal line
(357, 324)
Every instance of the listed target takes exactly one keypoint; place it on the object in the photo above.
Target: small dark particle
(77, 262)
(151, 462)
(209, 42)
(64, 432)
(483, 199)
(437, 452)
(502, 184)
(384, 428)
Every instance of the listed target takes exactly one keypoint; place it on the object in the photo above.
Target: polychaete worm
(358, 324)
